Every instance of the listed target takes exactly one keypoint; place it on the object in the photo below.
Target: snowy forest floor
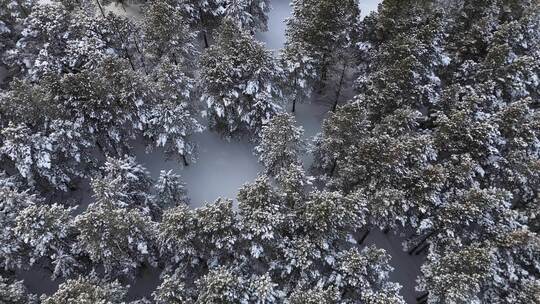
(224, 166)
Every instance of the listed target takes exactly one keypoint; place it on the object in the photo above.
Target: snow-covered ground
(368, 6)
(221, 168)
(406, 267)
(274, 38)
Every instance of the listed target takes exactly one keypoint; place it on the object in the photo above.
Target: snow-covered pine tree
(170, 190)
(315, 295)
(125, 184)
(86, 290)
(221, 285)
(515, 273)
(406, 55)
(398, 161)
(262, 289)
(107, 101)
(12, 15)
(320, 36)
(469, 215)
(293, 183)
(503, 65)
(340, 132)
(250, 15)
(195, 239)
(386, 124)
(203, 16)
(500, 270)
(280, 144)
(46, 235)
(329, 217)
(172, 290)
(170, 122)
(12, 201)
(300, 72)
(170, 44)
(167, 33)
(487, 102)
(238, 77)
(317, 228)
(262, 221)
(119, 239)
(46, 150)
(177, 236)
(295, 246)
(364, 276)
(455, 132)
(56, 40)
(32, 154)
(457, 275)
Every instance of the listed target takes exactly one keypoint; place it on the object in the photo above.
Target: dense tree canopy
(440, 144)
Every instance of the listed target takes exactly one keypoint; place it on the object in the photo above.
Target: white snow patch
(275, 36)
(368, 6)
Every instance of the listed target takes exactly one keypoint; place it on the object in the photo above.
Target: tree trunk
(426, 246)
(206, 45)
(101, 9)
(295, 90)
(422, 298)
(129, 59)
(338, 92)
(201, 17)
(421, 242)
(324, 69)
(363, 238)
(184, 159)
(334, 166)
